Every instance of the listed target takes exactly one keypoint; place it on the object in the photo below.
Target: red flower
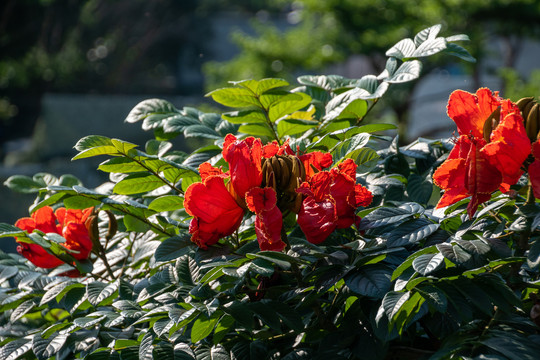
(269, 220)
(318, 216)
(347, 194)
(332, 199)
(315, 161)
(534, 169)
(216, 213)
(475, 167)
(70, 226)
(244, 158)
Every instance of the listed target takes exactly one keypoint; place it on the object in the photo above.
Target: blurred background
(71, 68)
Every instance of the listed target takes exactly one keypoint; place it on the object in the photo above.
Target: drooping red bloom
(475, 167)
(70, 226)
(315, 161)
(244, 158)
(318, 215)
(347, 194)
(215, 211)
(269, 220)
(534, 169)
(331, 202)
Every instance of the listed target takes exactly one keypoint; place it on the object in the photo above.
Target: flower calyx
(284, 173)
(491, 123)
(530, 111)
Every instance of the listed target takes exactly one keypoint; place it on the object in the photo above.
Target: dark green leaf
(151, 107)
(173, 248)
(428, 263)
(372, 281)
(408, 71)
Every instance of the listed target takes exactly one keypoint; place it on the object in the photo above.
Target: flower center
(284, 173)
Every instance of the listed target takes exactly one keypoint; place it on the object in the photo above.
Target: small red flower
(475, 167)
(70, 225)
(244, 158)
(332, 198)
(315, 161)
(269, 220)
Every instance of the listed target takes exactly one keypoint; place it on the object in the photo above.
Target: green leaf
(235, 97)
(408, 71)
(166, 203)
(15, 349)
(427, 34)
(99, 293)
(287, 127)
(121, 165)
(94, 145)
(383, 216)
(7, 230)
(430, 47)
(256, 130)
(146, 348)
(137, 183)
(23, 184)
(245, 116)
(151, 107)
(403, 49)
(261, 86)
(216, 352)
(79, 202)
(393, 301)
(47, 348)
(419, 188)
(460, 52)
(173, 248)
(454, 253)
(203, 326)
(202, 131)
(428, 263)
(347, 148)
(287, 105)
(133, 224)
(372, 281)
(411, 232)
(408, 262)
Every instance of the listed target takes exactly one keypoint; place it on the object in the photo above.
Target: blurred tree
(324, 32)
(90, 46)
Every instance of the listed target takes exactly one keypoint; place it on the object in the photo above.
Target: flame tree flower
(69, 223)
(264, 180)
(489, 152)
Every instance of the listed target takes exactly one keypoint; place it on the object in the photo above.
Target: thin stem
(367, 111)
(172, 186)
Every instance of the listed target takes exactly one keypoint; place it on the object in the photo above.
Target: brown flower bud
(284, 173)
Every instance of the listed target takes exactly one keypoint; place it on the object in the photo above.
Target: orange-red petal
(509, 145)
(470, 111)
(317, 160)
(216, 212)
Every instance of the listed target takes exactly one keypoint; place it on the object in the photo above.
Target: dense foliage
(300, 233)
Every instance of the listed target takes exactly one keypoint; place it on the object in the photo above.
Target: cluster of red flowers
(329, 198)
(483, 161)
(68, 223)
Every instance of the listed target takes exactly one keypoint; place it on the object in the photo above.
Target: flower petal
(470, 111)
(216, 212)
(261, 199)
(244, 158)
(206, 170)
(317, 219)
(534, 175)
(509, 146)
(45, 220)
(38, 256)
(268, 225)
(317, 160)
(77, 239)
